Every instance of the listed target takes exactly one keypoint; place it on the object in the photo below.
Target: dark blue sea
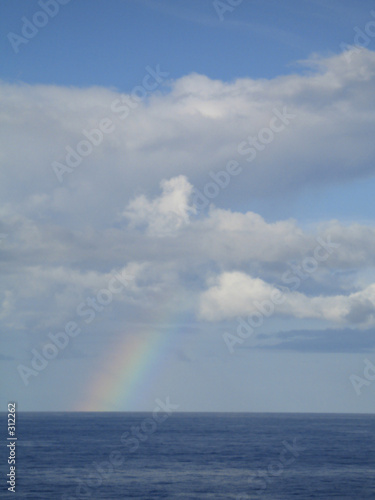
(192, 456)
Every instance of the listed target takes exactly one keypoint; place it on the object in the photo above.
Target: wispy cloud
(327, 340)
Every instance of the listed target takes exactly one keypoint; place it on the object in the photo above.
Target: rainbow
(128, 366)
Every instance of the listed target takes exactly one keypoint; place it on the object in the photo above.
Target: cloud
(48, 270)
(238, 294)
(130, 203)
(326, 340)
(194, 127)
(165, 214)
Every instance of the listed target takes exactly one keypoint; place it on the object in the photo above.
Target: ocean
(192, 456)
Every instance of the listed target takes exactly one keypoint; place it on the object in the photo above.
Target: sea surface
(192, 456)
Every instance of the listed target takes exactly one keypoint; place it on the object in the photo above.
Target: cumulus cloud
(238, 294)
(129, 204)
(166, 214)
(195, 127)
(48, 269)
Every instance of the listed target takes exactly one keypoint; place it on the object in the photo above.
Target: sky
(186, 203)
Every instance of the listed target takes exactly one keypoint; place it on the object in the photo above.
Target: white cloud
(238, 294)
(165, 214)
(65, 240)
(49, 268)
(195, 127)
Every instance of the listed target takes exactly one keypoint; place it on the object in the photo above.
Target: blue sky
(91, 42)
(130, 205)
